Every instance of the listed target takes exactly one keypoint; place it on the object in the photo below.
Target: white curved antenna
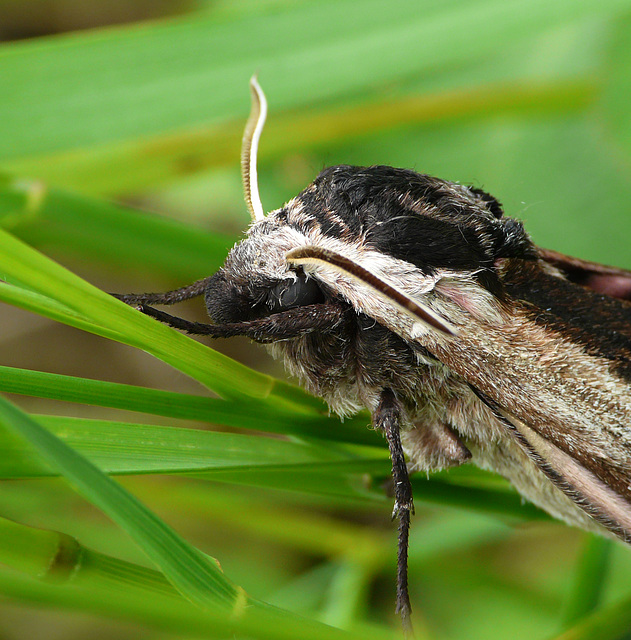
(249, 149)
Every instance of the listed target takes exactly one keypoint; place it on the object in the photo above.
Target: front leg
(284, 325)
(387, 419)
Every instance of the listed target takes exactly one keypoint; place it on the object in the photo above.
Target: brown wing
(556, 370)
(559, 373)
(605, 504)
(601, 278)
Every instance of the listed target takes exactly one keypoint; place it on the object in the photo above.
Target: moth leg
(387, 419)
(284, 325)
(169, 297)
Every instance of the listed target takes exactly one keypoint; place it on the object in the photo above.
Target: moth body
(441, 243)
(417, 299)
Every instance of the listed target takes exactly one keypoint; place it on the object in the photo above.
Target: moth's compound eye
(294, 293)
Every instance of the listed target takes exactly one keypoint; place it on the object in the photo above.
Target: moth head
(257, 294)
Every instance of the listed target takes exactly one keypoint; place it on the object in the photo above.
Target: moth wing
(612, 281)
(559, 373)
(603, 503)
(590, 481)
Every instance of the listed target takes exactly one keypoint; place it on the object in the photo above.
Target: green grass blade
(37, 303)
(190, 571)
(163, 614)
(615, 98)
(609, 623)
(589, 579)
(57, 557)
(113, 319)
(125, 448)
(503, 503)
(37, 552)
(42, 275)
(253, 414)
(315, 469)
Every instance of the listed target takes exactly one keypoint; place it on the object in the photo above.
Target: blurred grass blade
(589, 579)
(502, 503)
(347, 593)
(163, 613)
(108, 234)
(609, 623)
(205, 85)
(191, 572)
(57, 557)
(38, 552)
(615, 99)
(151, 162)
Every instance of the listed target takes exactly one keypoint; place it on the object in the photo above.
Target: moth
(416, 298)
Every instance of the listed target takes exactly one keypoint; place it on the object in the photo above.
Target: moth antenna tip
(249, 150)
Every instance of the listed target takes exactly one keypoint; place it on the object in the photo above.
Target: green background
(119, 159)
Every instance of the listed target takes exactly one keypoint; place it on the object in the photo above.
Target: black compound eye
(294, 293)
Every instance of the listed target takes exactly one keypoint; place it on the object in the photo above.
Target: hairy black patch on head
(230, 299)
(515, 242)
(225, 301)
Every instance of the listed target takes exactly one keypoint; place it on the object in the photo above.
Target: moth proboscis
(417, 299)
